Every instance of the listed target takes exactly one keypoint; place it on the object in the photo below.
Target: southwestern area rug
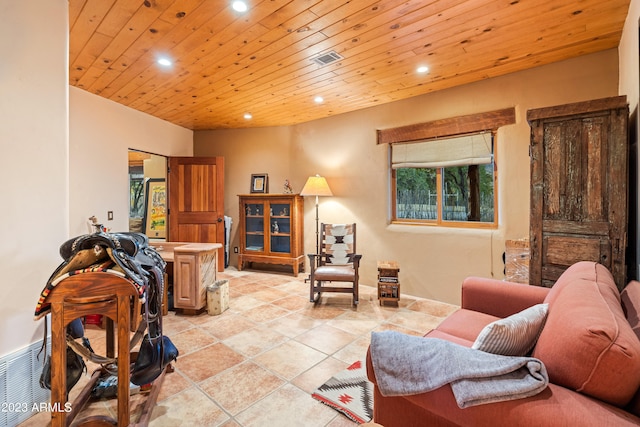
(349, 392)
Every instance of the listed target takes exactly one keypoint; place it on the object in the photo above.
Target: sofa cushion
(466, 324)
(514, 335)
(437, 333)
(587, 344)
(630, 298)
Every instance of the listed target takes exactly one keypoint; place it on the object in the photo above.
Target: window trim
(443, 128)
(439, 221)
(447, 128)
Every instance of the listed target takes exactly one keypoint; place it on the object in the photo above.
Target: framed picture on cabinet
(260, 183)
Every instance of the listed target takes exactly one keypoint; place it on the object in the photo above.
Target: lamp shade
(316, 186)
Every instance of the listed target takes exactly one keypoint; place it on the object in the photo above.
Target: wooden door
(578, 188)
(196, 201)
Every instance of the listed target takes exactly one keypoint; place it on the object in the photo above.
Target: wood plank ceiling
(226, 63)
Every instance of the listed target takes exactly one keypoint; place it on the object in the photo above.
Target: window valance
(472, 149)
(445, 128)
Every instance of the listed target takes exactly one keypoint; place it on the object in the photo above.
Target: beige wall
(155, 167)
(433, 261)
(64, 158)
(246, 152)
(34, 161)
(101, 132)
(629, 57)
(630, 86)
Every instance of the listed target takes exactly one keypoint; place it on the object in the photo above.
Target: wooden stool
(111, 296)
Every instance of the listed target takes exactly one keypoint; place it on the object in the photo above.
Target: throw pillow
(515, 335)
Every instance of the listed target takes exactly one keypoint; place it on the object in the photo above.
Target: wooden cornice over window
(488, 121)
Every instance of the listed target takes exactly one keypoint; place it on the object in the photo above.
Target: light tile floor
(257, 363)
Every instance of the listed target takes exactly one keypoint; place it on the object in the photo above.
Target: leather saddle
(130, 251)
(141, 263)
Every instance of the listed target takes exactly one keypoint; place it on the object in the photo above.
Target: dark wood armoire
(579, 188)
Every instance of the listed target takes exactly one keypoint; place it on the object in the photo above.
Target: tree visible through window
(416, 193)
(459, 193)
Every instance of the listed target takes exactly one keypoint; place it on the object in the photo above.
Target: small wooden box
(388, 282)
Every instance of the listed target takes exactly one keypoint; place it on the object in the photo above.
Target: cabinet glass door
(280, 226)
(254, 218)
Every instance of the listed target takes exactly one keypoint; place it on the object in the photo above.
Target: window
(450, 181)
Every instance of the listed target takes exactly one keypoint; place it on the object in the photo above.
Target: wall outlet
(235, 249)
(110, 216)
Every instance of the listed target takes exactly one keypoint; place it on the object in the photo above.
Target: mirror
(148, 194)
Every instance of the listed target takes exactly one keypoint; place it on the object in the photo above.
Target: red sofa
(590, 345)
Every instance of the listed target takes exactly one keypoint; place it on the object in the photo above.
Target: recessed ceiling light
(164, 62)
(422, 69)
(318, 99)
(248, 116)
(239, 6)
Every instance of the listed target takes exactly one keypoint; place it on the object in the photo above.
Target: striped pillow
(515, 335)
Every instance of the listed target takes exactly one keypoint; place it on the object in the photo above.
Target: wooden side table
(388, 282)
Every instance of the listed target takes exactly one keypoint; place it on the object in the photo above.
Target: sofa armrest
(498, 297)
(555, 406)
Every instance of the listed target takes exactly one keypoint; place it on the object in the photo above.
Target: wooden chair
(336, 262)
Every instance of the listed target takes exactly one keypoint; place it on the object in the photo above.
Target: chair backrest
(339, 243)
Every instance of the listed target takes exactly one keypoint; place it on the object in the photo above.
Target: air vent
(20, 383)
(327, 58)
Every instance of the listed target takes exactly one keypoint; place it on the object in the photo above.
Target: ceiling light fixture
(248, 116)
(318, 99)
(165, 62)
(239, 6)
(422, 69)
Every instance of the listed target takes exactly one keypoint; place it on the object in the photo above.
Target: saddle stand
(120, 277)
(113, 297)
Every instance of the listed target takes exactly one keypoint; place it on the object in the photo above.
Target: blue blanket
(406, 365)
